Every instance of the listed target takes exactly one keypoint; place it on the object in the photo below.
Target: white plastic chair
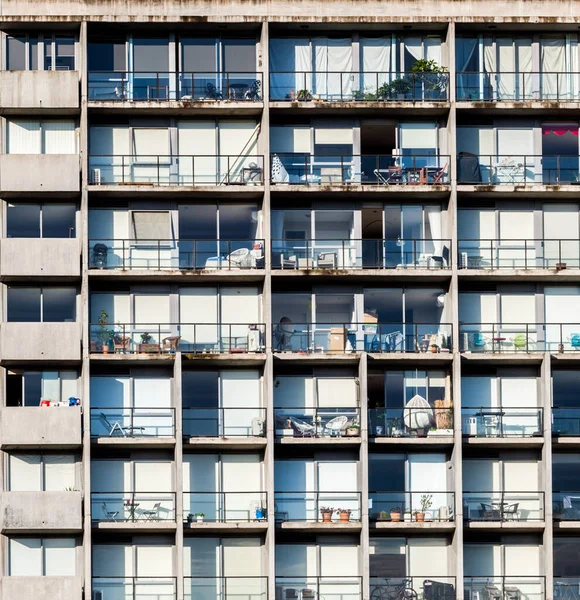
(335, 426)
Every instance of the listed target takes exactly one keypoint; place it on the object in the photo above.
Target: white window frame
(42, 549)
(41, 39)
(42, 455)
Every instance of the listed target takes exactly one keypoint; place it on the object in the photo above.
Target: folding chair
(153, 514)
(111, 515)
(437, 178)
(125, 431)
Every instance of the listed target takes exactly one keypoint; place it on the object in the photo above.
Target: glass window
(239, 56)
(35, 557)
(23, 221)
(150, 55)
(33, 54)
(35, 221)
(64, 53)
(23, 305)
(58, 221)
(198, 222)
(238, 221)
(107, 56)
(200, 389)
(151, 225)
(32, 388)
(59, 305)
(565, 388)
(16, 48)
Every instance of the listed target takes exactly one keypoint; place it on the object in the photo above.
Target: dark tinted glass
(23, 221)
(23, 304)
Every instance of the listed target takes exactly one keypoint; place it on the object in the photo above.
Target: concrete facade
(44, 173)
(40, 341)
(37, 90)
(43, 588)
(36, 258)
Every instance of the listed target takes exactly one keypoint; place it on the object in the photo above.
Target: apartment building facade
(265, 270)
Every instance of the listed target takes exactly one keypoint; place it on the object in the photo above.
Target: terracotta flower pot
(344, 517)
(420, 517)
(395, 516)
(326, 516)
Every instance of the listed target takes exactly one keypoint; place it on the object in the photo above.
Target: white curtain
(333, 65)
(414, 46)
(24, 137)
(434, 216)
(375, 63)
(466, 84)
(59, 137)
(559, 66)
(290, 58)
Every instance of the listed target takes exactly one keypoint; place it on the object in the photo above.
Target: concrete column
(86, 477)
(546, 470)
(364, 473)
(178, 458)
(456, 463)
(451, 59)
(270, 543)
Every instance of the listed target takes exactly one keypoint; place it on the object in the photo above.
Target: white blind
(240, 389)
(59, 557)
(242, 558)
(59, 472)
(515, 141)
(561, 222)
(197, 137)
(59, 137)
(69, 385)
(152, 308)
(117, 307)
(25, 557)
(518, 391)
(153, 474)
(339, 560)
(518, 308)
(516, 225)
(155, 561)
(336, 392)
(198, 305)
(148, 141)
(295, 391)
(151, 225)
(25, 473)
(240, 305)
(236, 137)
(333, 135)
(152, 392)
(290, 139)
(109, 140)
(24, 137)
(418, 135)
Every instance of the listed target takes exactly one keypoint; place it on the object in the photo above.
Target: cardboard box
(336, 339)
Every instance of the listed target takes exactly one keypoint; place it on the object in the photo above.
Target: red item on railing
(559, 130)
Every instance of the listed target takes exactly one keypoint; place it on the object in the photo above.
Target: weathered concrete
(39, 89)
(41, 588)
(28, 512)
(37, 427)
(39, 173)
(40, 341)
(25, 257)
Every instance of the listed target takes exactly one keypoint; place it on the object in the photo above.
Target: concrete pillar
(456, 463)
(546, 479)
(364, 473)
(178, 459)
(270, 542)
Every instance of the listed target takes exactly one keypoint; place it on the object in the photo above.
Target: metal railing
(176, 170)
(385, 169)
(357, 86)
(312, 422)
(225, 507)
(477, 86)
(136, 588)
(336, 338)
(518, 254)
(176, 254)
(158, 86)
(107, 421)
(411, 422)
(124, 507)
(413, 586)
(361, 254)
(498, 338)
(503, 506)
(566, 588)
(411, 506)
(517, 169)
(316, 587)
(318, 507)
(566, 421)
(168, 338)
(502, 421)
(225, 588)
(497, 587)
(224, 422)
(566, 505)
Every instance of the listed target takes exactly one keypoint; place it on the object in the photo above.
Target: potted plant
(261, 512)
(199, 517)
(146, 345)
(344, 514)
(426, 503)
(304, 96)
(434, 348)
(398, 89)
(353, 430)
(396, 514)
(104, 333)
(407, 516)
(383, 515)
(326, 513)
(445, 343)
(430, 74)
(358, 95)
(397, 430)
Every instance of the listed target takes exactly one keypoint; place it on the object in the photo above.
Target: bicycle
(394, 591)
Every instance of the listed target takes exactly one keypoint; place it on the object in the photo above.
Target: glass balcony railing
(476, 86)
(501, 421)
(133, 86)
(411, 506)
(160, 255)
(168, 338)
(318, 507)
(401, 421)
(518, 254)
(361, 254)
(225, 507)
(490, 338)
(133, 507)
(225, 588)
(224, 422)
(152, 588)
(353, 86)
(503, 506)
(311, 422)
(566, 421)
(517, 169)
(566, 505)
(509, 588)
(385, 169)
(337, 338)
(413, 586)
(149, 422)
(566, 588)
(176, 170)
(311, 588)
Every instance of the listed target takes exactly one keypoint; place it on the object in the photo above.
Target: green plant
(424, 65)
(326, 509)
(358, 95)
(104, 334)
(383, 515)
(426, 502)
(146, 338)
(304, 95)
(396, 509)
(70, 489)
(199, 515)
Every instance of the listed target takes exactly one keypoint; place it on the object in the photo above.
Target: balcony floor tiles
(358, 188)
(548, 275)
(407, 107)
(565, 442)
(513, 358)
(567, 526)
(127, 189)
(430, 275)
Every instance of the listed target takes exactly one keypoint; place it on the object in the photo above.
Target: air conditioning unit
(96, 176)
(254, 340)
(98, 595)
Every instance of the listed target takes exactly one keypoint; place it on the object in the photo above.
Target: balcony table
(131, 507)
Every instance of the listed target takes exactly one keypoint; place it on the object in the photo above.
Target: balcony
(519, 338)
(353, 86)
(234, 422)
(124, 86)
(177, 170)
(502, 421)
(393, 170)
(47, 90)
(44, 173)
(412, 507)
(54, 512)
(518, 254)
(170, 255)
(167, 339)
(158, 588)
(503, 507)
(474, 86)
(45, 427)
(566, 506)
(321, 423)
(517, 170)
(225, 588)
(133, 507)
(25, 257)
(42, 588)
(225, 507)
(128, 422)
(566, 587)
(408, 422)
(381, 338)
(414, 586)
(361, 254)
(501, 586)
(330, 508)
(40, 341)
(565, 421)
(334, 587)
